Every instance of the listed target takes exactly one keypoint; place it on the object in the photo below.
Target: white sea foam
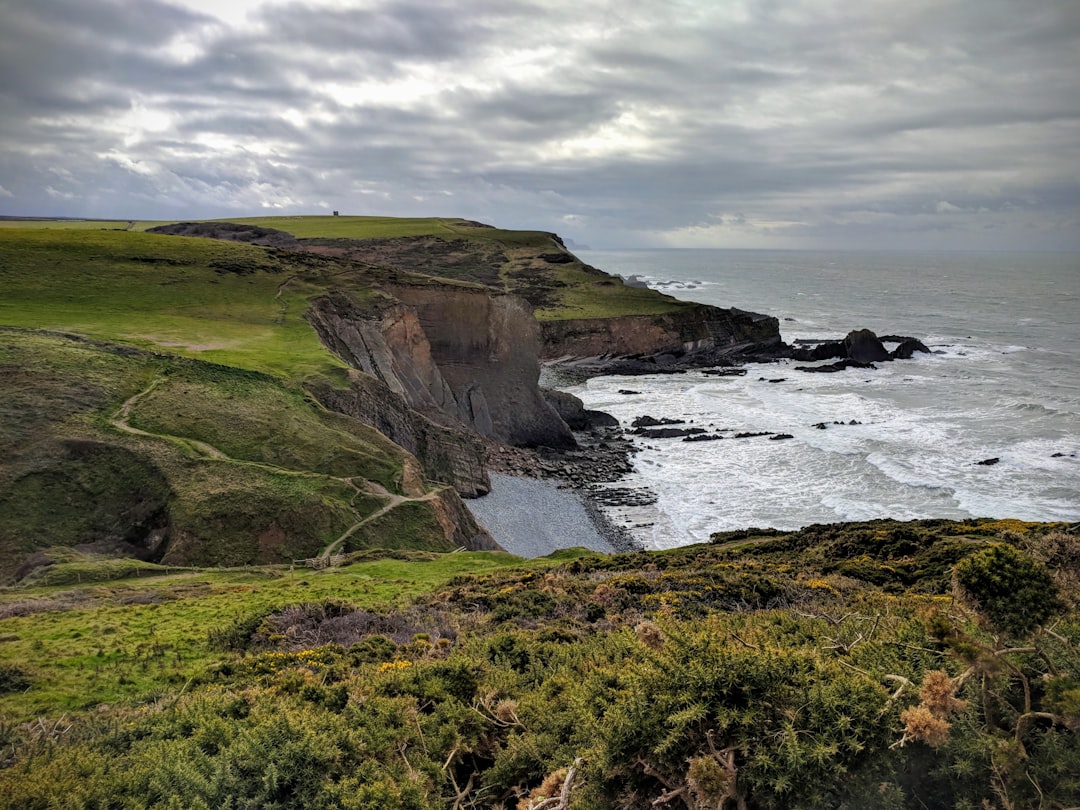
(1001, 383)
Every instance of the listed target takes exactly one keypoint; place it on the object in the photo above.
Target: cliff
(586, 316)
(634, 344)
(461, 357)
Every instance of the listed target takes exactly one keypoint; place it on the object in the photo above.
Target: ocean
(1002, 382)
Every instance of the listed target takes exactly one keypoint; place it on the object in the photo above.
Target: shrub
(1013, 591)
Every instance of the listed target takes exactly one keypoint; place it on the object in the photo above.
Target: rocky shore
(604, 449)
(602, 456)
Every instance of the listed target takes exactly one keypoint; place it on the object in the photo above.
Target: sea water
(1002, 382)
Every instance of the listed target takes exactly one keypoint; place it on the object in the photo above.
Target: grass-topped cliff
(291, 387)
(876, 665)
(559, 286)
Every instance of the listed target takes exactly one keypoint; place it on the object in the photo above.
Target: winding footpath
(121, 421)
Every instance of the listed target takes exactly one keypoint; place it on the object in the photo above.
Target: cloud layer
(777, 123)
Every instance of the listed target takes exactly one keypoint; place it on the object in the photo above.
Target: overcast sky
(684, 123)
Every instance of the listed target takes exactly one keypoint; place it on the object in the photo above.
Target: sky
(802, 124)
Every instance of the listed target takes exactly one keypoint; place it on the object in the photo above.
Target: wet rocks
(988, 462)
(724, 372)
(859, 349)
(840, 365)
(907, 348)
(863, 346)
(667, 432)
(651, 421)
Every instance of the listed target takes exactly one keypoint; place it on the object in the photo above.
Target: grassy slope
(214, 300)
(642, 665)
(234, 441)
(142, 637)
(575, 293)
(244, 466)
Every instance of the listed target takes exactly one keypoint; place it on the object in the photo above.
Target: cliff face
(697, 336)
(442, 364)
(486, 348)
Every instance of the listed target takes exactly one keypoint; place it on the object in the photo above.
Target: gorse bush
(1015, 592)
(609, 681)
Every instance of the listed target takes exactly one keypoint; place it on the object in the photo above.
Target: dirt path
(119, 420)
(282, 286)
(392, 502)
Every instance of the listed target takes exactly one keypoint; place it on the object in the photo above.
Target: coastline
(533, 517)
(546, 481)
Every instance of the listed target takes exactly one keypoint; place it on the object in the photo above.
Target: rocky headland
(437, 341)
(448, 355)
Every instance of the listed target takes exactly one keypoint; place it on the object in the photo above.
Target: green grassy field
(137, 638)
(573, 292)
(217, 301)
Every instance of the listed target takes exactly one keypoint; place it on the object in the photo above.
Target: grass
(214, 300)
(67, 224)
(253, 418)
(240, 466)
(139, 638)
(245, 338)
(586, 295)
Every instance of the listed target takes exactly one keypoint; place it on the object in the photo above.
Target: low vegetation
(156, 386)
(740, 674)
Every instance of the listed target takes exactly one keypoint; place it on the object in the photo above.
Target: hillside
(266, 395)
(168, 399)
(893, 665)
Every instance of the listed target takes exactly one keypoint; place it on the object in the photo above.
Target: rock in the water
(703, 437)
(864, 346)
(988, 462)
(573, 411)
(907, 348)
(780, 436)
(667, 432)
(839, 365)
(724, 372)
(651, 421)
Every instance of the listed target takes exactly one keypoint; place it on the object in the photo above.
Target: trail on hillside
(392, 502)
(119, 420)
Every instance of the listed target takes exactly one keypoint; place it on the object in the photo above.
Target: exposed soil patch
(429, 255)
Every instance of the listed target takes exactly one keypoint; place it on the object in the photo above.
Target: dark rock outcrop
(839, 365)
(647, 421)
(863, 346)
(859, 349)
(696, 336)
(907, 349)
(667, 432)
(573, 411)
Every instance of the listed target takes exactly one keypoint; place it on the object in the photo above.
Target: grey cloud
(867, 116)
